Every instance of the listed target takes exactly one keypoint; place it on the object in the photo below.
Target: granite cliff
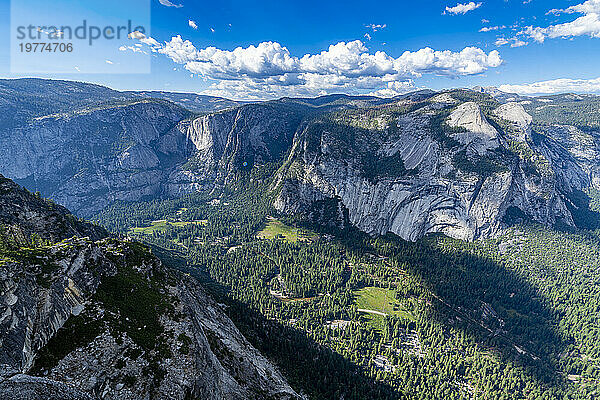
(462, 168)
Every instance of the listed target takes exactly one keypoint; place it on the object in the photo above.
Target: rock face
(515, 113)
(39, 296)
(88, 159)
(24, 215)
(458, 174)
(28, 387)
(476, 133)
(86, 146)
(223, 143)
(84, 319)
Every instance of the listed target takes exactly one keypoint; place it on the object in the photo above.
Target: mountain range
(419, 246)
(466, 163)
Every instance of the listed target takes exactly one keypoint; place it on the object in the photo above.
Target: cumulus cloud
(395, 88)
(179, 50)
(349, 59)
(167, 3)
(268, 69)
(192, 24)
(555, 86)
(587, 24)
(136, 35)
(266, 59)
(469, 61)
(589, 7)
(462, 8)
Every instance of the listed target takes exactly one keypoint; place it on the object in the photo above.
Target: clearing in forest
(275, 229)
(376, 303)
(162, 225)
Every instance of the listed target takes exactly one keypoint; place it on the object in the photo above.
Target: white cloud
(502, 41)
(394, 89)
(167, 3)
(348, 59)
(136, 35)
(150, 42)
(144, 39)
(514, 42)
(555, 86)
(179, 50)
(266, 59)
(587, 24)
(518, 43)
(134, 49)
(462, 8)
(492, 28)
(367, 36)
(376, 27)
(109, 62)
(192, 24)
(469, 61)
(269, 69)
(589, 7)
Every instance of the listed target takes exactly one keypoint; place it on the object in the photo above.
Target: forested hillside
(345, 314)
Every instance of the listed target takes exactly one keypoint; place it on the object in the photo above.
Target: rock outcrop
(86, 146)
(84, 318)
(224, 143)
(515, 113)
(477, 133)
(23, 215)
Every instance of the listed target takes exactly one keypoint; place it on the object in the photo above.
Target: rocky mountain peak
(477, 132)
(515, 113)
(469, 116)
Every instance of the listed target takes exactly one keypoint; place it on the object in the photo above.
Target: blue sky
(380, 47)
